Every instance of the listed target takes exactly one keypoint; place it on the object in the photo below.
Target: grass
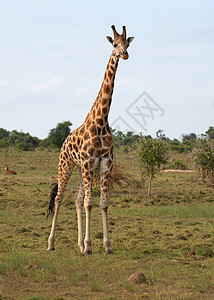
(168, 238)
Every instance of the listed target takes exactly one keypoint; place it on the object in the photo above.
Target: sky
(53, 55)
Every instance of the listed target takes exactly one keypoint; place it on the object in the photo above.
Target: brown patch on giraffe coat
(97, 153)
(84, 155)
(104, 110)
(88, 124)
(86, 165)
(94, 113)
(86, 145)
(91, 151)
(75, 148)
(107, 140)
(104, 131)
(104, 183)
(96, 142)
(74, 155)
(93, 130)
(99, 121)
(99, 112)
(110, 74)
(91, 163)
(106, 88)
(105, 150)
(86, 136)
(65, 157)
(104, 101)
(86, 175)
(80, 146)
(108, 164)
(82, 130)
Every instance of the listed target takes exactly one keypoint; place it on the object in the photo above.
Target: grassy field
(168, 238)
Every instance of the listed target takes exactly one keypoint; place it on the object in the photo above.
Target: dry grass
(169, 239)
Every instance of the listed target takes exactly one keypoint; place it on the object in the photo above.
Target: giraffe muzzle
(125, 55)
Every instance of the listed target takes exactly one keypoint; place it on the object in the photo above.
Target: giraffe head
(120, 43)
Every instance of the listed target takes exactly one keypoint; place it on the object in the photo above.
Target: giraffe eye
(115, 45)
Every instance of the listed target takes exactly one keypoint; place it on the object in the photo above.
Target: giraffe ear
(110, 39)
(130, 39)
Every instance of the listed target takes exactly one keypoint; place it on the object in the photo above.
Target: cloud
(50, 84)
(3, 83)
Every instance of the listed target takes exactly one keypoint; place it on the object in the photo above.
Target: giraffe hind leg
(63, 177)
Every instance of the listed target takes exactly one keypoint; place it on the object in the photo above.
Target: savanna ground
(169, 237)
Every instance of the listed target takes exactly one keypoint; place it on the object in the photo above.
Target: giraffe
(86, 148)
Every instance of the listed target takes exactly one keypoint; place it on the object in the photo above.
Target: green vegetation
(152, 158)
(57, 135)
(178, 165)
(169, 237)
(210, 132)
(204, 157)
(25, 142)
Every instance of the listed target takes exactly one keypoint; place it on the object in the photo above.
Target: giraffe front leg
(106, 166)
(87, 240)
(88, 203)
(79, 206)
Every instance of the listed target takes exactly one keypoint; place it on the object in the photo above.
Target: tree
(4, 133)
(152, 157)
(189, 138)
(58, 134)
(161, 135)
(210, 132)
(204, 158)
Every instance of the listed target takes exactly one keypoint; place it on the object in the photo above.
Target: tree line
(56, 137)
(152, 151)
(25, 142)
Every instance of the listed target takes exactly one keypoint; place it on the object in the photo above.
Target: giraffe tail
(52, 201)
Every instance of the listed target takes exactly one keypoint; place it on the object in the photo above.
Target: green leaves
(152, 155)
(58, 134)
(204, 157)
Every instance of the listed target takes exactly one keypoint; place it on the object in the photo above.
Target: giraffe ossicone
(86, 148)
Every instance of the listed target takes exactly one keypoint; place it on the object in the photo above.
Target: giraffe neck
(100, 109)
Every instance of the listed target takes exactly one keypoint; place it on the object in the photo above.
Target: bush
(178, 165)
(58, 134)
(152, 157)
(204, 158)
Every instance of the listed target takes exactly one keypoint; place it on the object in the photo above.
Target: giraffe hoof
(109, 252)
(51, 249)
(88, 252)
